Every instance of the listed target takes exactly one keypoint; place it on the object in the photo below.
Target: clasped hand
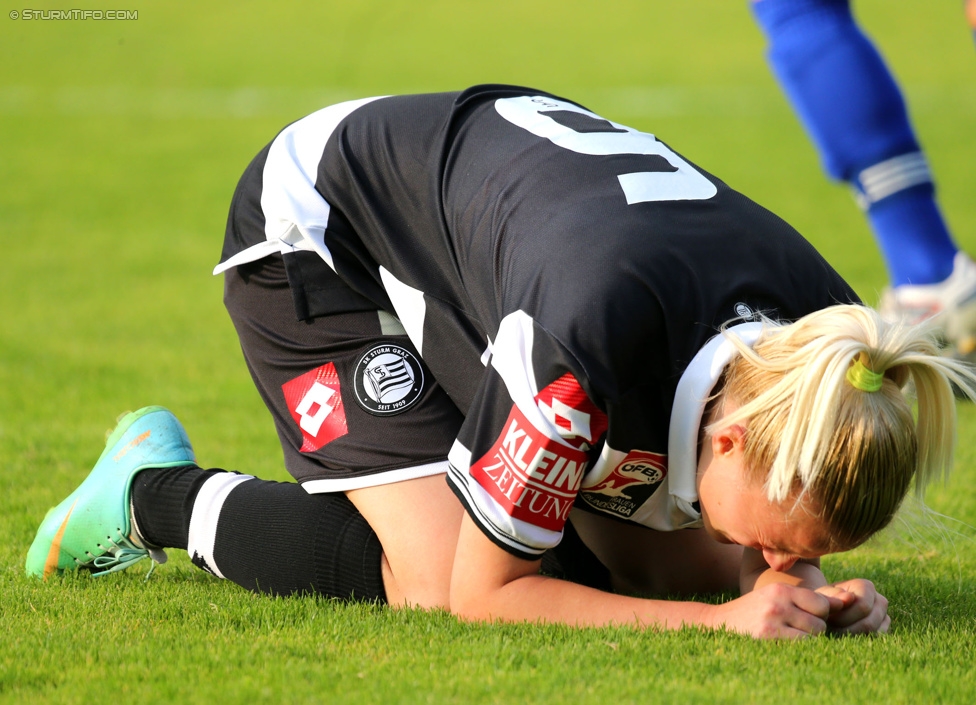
(779, 610)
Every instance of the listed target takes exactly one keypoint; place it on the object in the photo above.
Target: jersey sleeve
(527, 441)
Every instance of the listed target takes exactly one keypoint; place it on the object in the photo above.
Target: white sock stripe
(894, 175)
(897, 181)
(881, 170)
(206, 513)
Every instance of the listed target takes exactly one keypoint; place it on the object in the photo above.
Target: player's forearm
(489, 584)
(535, 598)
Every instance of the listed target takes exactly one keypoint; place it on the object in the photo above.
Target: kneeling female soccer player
(529, 364)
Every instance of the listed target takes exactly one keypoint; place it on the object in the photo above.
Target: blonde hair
(811, 433)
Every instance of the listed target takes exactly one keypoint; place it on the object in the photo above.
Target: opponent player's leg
(855, 114)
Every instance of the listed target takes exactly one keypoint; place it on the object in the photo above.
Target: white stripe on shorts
(387, 477)
(206, 513)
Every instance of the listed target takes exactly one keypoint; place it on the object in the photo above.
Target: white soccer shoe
(952, 300)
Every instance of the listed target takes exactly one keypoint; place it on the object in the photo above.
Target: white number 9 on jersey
(571, 127)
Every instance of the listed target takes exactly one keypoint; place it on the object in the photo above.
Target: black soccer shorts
(353, 403)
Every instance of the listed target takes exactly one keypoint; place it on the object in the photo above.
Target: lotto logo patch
(566, 406)
(629, 484)
(533, 478)
(315, 403)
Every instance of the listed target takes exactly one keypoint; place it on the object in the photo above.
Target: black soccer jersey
(558, 273)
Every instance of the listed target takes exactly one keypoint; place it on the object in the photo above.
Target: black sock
(300, 542)
(162, 502)
(270, 537)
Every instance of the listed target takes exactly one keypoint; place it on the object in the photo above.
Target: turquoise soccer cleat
(91, 529)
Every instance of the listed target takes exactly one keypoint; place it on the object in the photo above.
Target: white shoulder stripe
(511, 358)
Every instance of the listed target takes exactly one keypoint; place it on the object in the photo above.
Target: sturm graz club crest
(389, 380)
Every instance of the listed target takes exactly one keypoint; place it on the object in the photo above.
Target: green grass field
(121, 144)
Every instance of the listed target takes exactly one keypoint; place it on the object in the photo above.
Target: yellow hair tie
(862, 377)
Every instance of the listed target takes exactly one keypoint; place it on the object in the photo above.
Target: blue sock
(912, 259)
(854, 113)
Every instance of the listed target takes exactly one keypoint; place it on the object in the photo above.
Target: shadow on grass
(939, 601)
